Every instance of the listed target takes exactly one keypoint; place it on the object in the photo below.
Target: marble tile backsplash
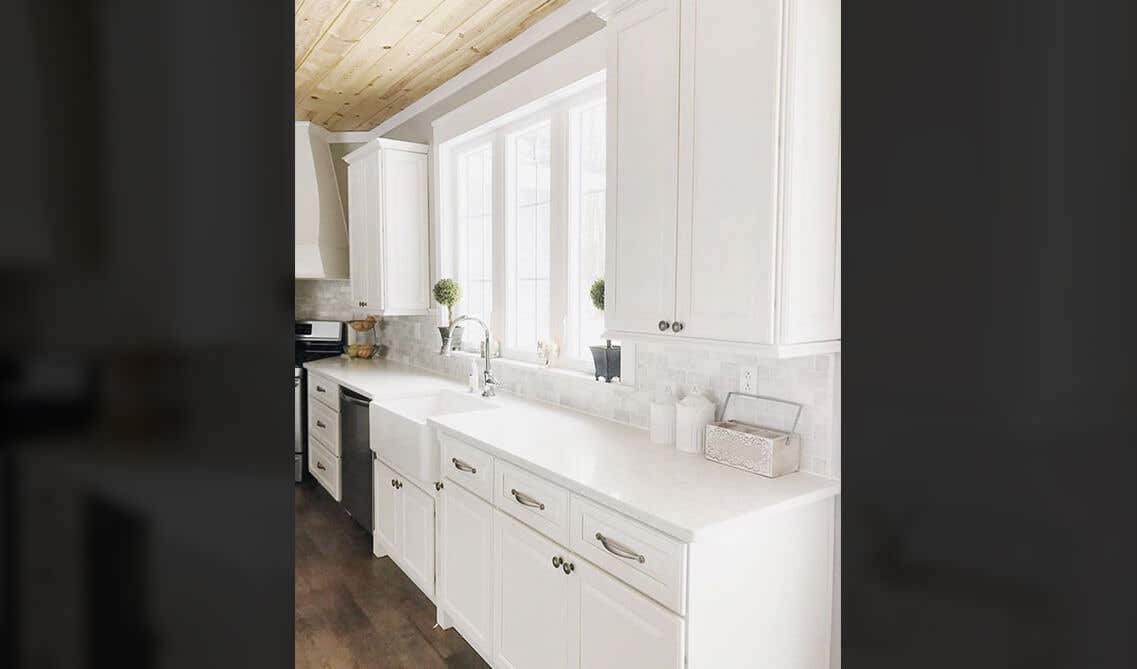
(811, 381)
(323, 300)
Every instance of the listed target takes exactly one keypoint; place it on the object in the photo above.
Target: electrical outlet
(748, 380)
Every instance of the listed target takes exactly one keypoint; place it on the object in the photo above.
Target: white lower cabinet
(536, 622)
(621, 628)
(626, 594)
(465, 565)
(385, 537)
(416, 536)
(404, 526)
(557, 611)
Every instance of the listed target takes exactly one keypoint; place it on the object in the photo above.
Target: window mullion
(499, 319)
(558, 227)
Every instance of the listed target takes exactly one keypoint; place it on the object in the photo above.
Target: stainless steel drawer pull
(462, 466)
(526, 500)
(320, 389)
(320, 465)
(619, 550)
(320, 423)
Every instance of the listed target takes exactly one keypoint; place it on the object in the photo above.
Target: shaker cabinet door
(643, 107)
(466, 569)
(385, 540)
(621, 628)
(534, 627)
(416, 536)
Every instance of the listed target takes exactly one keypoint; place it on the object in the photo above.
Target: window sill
(566, 373)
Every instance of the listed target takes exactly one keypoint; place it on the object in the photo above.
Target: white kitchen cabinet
(557, 611)
(404, 526)
(536, 622)
(465, 565)
(621, 628)
(643, 108)
(388, 228)
(416, 536)
(385, 537)
(739, 244)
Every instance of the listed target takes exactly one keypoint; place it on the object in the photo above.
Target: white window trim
(557, 111)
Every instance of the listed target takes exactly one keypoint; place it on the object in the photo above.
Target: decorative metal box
(753, 448)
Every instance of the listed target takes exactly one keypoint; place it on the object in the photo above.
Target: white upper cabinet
(389, 228)
(643, 107)
(724, 137)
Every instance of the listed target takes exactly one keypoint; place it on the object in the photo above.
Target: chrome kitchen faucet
(488, 380)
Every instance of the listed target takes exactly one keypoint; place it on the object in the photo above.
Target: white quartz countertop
(681, 494)
(381, 379)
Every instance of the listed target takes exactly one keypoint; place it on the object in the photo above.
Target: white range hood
(321, 227)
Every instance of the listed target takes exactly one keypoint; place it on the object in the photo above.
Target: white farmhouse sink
(401, 436)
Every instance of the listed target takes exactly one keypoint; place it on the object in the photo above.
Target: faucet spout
(488, 380)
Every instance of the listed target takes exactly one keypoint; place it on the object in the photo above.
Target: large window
(475, 238)
(524, 222)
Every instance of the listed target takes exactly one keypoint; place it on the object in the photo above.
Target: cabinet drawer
(467, 466)
(542, 505)
(325, 467)
(649, 561)
(325, 390)
(324, 424)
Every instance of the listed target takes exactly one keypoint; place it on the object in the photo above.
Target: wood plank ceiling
(359, 62)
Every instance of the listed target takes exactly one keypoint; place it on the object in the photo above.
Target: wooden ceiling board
(449, 64)
(358, 62)
(357, 20)
(403, 57)
(346, 88)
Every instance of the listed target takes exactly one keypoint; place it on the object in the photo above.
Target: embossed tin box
(753, 448)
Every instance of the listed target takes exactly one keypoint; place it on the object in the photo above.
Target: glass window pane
(584, 322)
(474, 248)
(529, 261)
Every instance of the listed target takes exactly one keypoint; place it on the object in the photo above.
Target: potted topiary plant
(605, 359)
(447, 292)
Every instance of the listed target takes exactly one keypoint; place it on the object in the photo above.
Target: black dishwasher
(355, 465)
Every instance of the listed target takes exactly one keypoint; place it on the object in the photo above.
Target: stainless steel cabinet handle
(462, 466)
(568, 568)
(320, 465)
(663, 325)
(557, 561)
(619, 550)
(399, 485)
(320, 423)
(526, 500)
(676, 326)
(320, 389)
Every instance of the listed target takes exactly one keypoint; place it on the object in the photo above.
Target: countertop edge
(683, 534)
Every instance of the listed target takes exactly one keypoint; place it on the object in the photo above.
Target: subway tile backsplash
(812, 381)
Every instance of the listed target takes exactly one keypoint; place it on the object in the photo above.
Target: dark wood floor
(356, 610)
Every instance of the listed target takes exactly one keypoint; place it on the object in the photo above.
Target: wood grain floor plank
(356, 611)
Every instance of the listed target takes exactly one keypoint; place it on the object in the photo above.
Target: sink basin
(400, 434)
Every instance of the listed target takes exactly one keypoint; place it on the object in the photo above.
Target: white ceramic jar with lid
(692, 415)
(663, 416)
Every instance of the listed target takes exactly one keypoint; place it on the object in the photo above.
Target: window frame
(500, 135)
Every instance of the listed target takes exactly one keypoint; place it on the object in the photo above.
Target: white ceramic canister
(692, 415)
(663, 417)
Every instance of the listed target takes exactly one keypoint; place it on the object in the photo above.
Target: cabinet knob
(676, 326)
(392, 483)
(663, 325)
(557, 561)
(568, 568)
(399, 485)
(438, 485)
